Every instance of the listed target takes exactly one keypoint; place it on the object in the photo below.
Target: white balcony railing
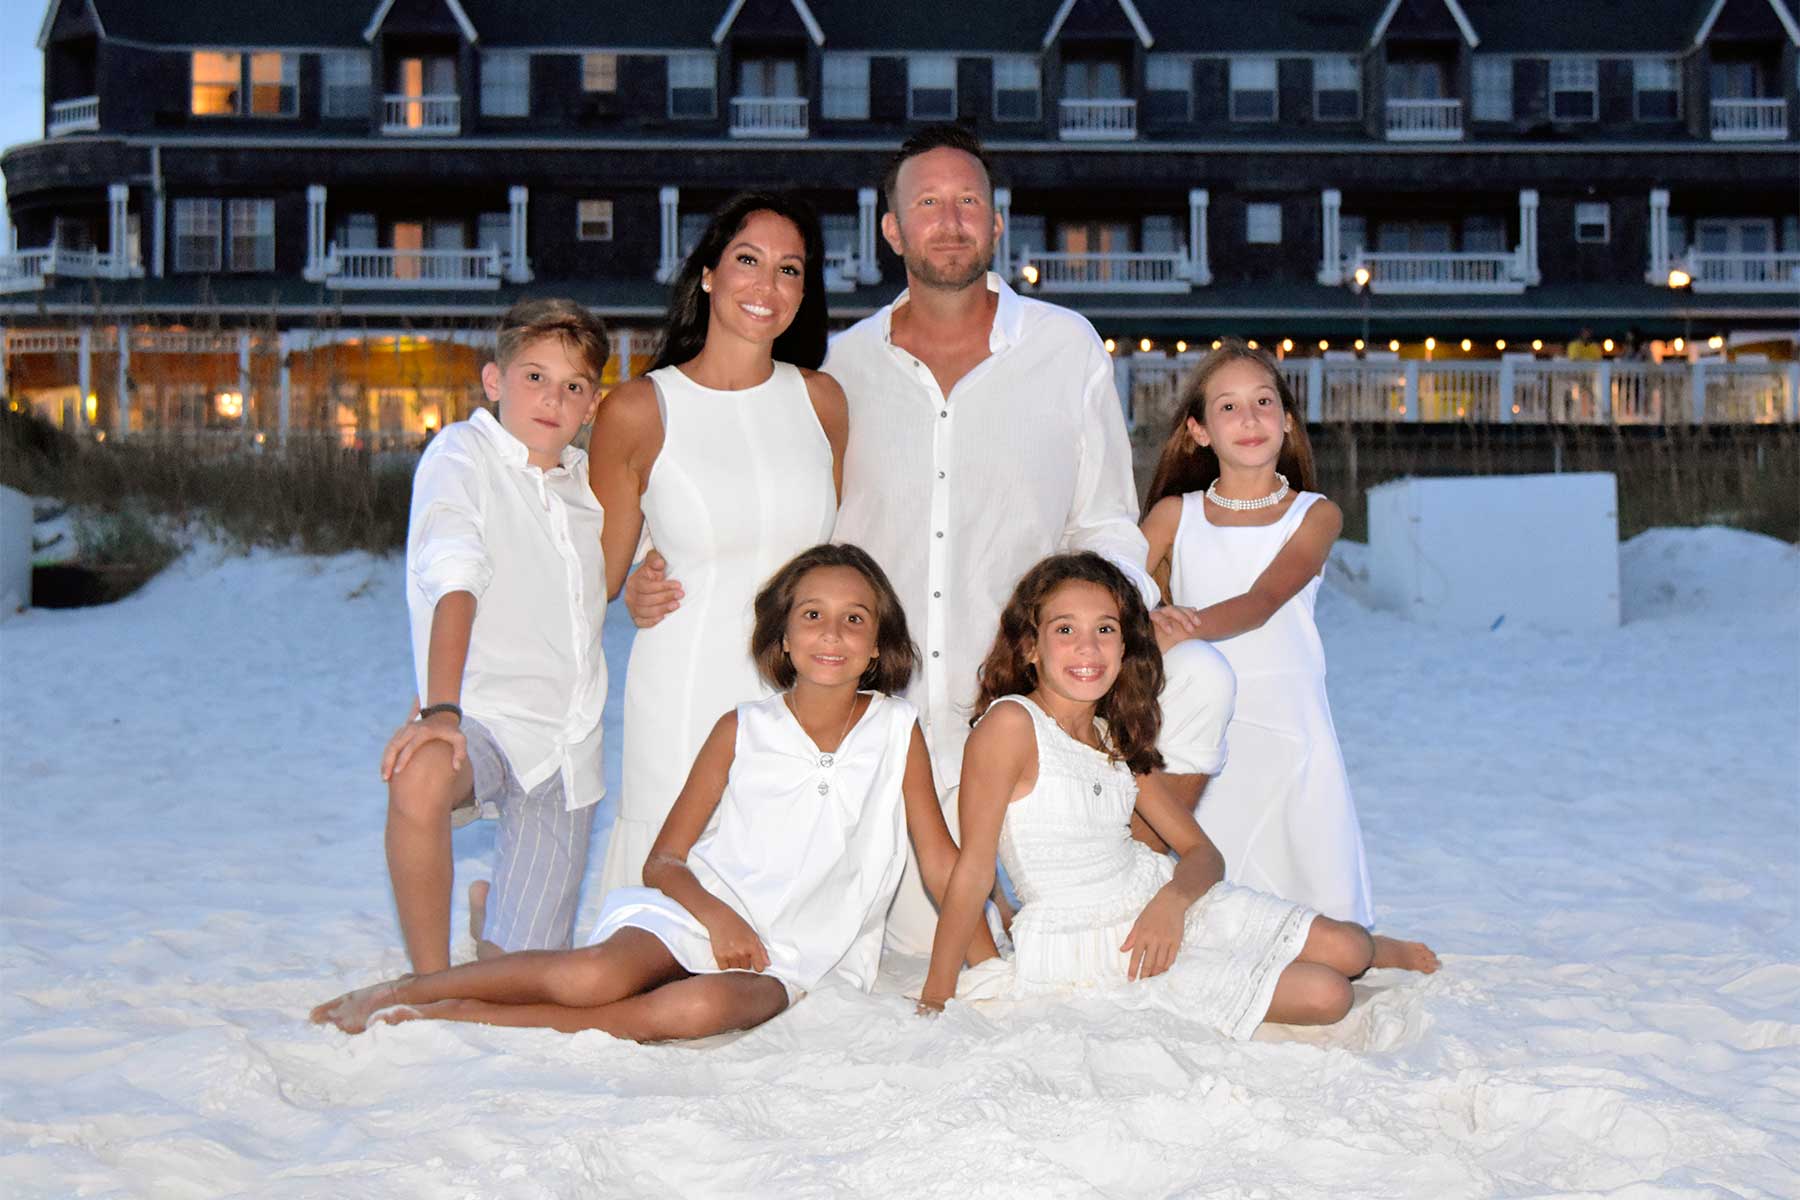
(768, 116)
(1768, 272)
(463, 270)
(32, 269)
(1749, 120)
(421, 114)
(1424, 120)
(1399, 274)
(74, 116)
(1099, 120)
(1072, 271)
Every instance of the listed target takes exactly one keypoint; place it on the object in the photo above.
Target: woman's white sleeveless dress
(1083, 881)
(742, 484)
(806, 846)
(1280, 811)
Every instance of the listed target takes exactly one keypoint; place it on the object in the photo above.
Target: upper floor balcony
(1741, 271)
(1439, 273)
(439, 114)
(458, 270)
(1756, 120)
(1098, 120)
(74, 116)
(31, 270)
(1424, 120)
(768, 116)
(1095, 271)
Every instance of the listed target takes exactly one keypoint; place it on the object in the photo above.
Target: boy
(506, 591)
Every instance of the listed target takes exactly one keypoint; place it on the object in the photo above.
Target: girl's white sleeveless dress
(1083, 881)
(1280, 811)
(742, 484)
(806, 846)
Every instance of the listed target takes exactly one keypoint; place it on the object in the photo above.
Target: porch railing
(768, 116)
(1398, 273)
(1073, 271)
(1424, 120)
(440, 114)
(1749, 120)
(463, 270)
(1513, 390)
(31, 270)
(73, 116)
(1099, 120)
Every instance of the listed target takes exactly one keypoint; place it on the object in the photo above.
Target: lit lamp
(1111, 345)
(1361, 277)
(1030, 273)
(1144, 345)
(230, 405)
(1181, 347)
(1679, 279)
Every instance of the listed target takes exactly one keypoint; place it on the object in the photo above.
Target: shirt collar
(512, 451)
(1009, 315)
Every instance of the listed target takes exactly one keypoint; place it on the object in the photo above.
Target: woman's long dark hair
(802, 343)
(1186, 466)
(1130, 709)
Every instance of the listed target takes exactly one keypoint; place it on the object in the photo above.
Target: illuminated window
(594, 220)
(217, 78)
(274, 85)
(600, 73)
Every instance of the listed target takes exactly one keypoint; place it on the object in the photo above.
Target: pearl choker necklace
(1226, 502)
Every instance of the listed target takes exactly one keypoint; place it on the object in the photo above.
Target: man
(985, 433)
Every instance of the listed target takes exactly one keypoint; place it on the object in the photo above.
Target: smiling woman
(729, 454)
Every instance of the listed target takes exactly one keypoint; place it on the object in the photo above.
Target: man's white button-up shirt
(957, 496)
(526, 543)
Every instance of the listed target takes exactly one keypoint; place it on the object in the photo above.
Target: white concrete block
(15, 551)
(1479, 552)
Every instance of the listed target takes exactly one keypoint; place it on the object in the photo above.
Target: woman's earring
(705, 286)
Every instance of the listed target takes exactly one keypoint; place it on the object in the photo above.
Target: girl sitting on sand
(1064, 740)
(1238, 537)
(777, 864)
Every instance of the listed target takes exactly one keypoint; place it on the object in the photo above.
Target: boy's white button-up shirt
(526, 543)
(957, 496)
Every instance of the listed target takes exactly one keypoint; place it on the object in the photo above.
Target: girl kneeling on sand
(1065, 735)
(809, 794)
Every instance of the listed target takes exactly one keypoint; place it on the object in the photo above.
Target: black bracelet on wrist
(432, 710)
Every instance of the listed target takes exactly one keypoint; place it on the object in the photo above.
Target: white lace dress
(1068, 849)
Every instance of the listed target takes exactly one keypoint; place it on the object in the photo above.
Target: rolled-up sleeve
(443, 544)
(1103, 516)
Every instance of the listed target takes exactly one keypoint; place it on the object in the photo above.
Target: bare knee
(1344, 946)
(1310, 994)
(702, 1011)
(578, 978)
(427, 790)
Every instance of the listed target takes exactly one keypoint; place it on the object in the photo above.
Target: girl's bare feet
(351, 1011)
(1407, 956)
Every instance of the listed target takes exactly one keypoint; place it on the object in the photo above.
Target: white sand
(1600, 833)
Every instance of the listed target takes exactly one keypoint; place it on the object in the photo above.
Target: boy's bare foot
(478, 894)
(351, 1011)
(1407, 956)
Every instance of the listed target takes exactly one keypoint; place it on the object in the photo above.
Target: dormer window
(1574, 89)
(931, 87)
(219, 87)
(1253, 89)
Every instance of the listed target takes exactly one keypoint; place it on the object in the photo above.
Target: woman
(730, 454)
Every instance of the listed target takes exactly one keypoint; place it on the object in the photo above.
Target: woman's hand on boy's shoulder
(410, 737)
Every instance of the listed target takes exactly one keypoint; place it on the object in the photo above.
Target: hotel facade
(278, 219)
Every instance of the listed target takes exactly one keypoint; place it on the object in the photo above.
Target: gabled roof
(456, 11)
(806, 18)
(55, 7)
(1456, 14)
(1598, 27)
(1131, 14)
(1781, 14)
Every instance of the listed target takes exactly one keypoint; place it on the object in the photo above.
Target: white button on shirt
(957, 496)
(526, 544)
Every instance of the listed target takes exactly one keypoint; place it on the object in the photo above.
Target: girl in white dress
(1238, 539)
(728, 457)
(776, 866)
(1060, 756)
